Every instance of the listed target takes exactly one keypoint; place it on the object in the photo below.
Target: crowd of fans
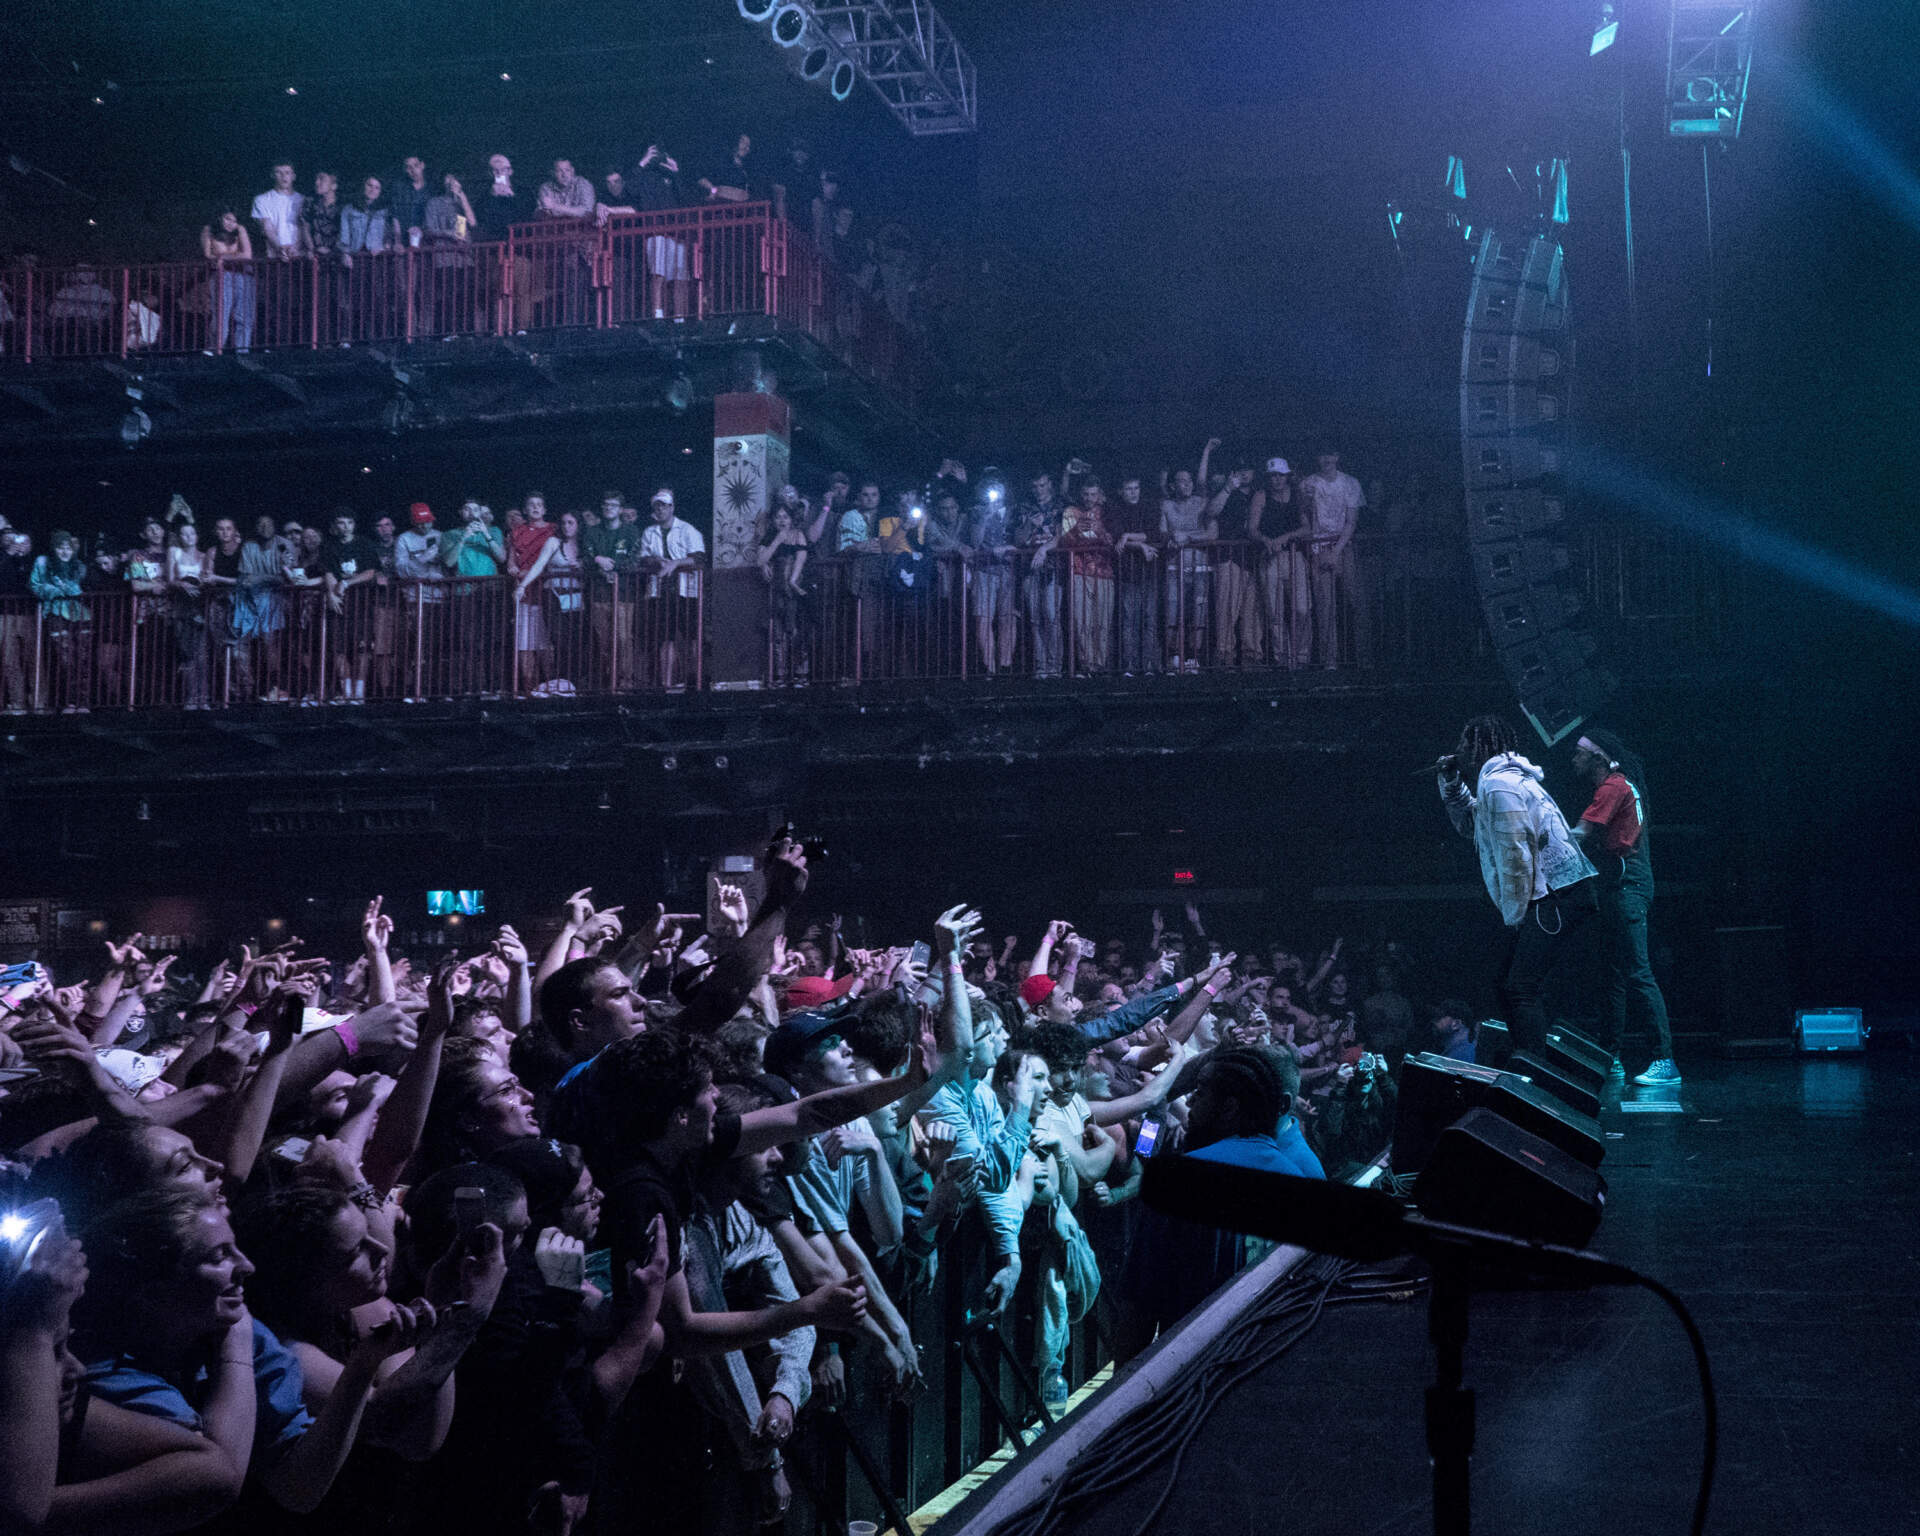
(569, 1234)
(339, 222)
(1176, 570)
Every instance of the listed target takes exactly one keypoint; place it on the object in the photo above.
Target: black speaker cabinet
(1486, 1172)
(1436, 1091)
(1578, 1057)
(1547, 1074)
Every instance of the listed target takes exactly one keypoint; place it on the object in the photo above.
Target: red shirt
(1616, 808)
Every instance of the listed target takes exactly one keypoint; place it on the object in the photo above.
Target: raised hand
(122, 956)
(732, 904)
(562, 1260)
(376, 928)
(579, 907)
(507, 945)
(225, 1065)
(157, 977)
(953, 930)
(388, 1025)
(602, 928)
(369, 1092)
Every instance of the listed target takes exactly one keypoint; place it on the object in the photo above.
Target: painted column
(750, 457)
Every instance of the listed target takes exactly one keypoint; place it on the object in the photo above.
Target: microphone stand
(1450, 1418)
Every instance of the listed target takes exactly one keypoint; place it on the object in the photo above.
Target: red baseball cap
(814, 992)
(421, 512)
(1035, 990)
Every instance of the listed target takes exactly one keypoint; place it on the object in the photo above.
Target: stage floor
(1783, 1204)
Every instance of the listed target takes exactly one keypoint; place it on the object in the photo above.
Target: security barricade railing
(1404, 608)
(1095, 610)
(387, 640)
(717, 260)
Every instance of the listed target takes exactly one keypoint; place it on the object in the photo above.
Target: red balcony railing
(465, 637)
(718, 260)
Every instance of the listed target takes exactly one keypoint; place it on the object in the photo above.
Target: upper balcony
(652, 295)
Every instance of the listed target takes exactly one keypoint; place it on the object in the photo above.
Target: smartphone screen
(921, 954)
(469, 1209)
(1149, 1134)
(960, 1165)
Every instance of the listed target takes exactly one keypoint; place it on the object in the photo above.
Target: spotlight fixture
(1605, 33)
(789, 26)
(840, 83)
(135, 427)
(756, 11)
(680, 390)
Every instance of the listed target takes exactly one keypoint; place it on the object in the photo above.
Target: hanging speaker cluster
(1516, 408)
(812, 51)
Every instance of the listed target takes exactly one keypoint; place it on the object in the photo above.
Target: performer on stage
(1534, 870)
(1613, 832)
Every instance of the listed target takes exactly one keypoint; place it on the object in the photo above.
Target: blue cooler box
(1829, 1029)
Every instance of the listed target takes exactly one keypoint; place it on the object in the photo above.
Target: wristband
(249, 1009)
(1212, 989)
(365, 1196)
(348, 1038)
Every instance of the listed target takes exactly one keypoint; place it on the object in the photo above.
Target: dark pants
(1630, 984)
(1547, 935)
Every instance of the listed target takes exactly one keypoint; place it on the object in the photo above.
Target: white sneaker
(1662, 1074)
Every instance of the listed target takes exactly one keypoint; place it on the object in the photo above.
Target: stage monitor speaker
(1436, 1091)
(1550, 1076)
(1578, 1058)
(1487, 1172)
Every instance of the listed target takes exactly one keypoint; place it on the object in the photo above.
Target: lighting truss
(1709, 54)
(908, 54)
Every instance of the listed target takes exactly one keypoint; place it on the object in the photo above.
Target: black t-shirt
(1233, 515)
(226, 565)
(641, 1187)
(496, 213)
(14, 572)
(348, 557)
(655, 189)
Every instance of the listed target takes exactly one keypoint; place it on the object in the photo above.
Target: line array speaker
(1516, 409)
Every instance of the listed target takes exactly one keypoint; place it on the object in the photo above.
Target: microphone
(1364, 1225)
(1447, 763)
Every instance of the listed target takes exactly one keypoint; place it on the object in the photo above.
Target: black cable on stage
(1709, 1404)
(1169, 1425)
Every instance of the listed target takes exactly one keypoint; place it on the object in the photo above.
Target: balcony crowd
(589, 1229)
(1177, 570)
(416, 252)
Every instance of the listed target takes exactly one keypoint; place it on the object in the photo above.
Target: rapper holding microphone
(1534, 870)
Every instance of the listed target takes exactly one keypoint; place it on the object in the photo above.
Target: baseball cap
(663, 498)
(1279, 467)
(420, 513)
(544, 1168)
(799, 1036)
(1035, 990)
(815, 991)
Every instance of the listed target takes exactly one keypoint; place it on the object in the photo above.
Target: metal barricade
(554, 276)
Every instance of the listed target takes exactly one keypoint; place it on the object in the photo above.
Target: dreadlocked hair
(1486, 736)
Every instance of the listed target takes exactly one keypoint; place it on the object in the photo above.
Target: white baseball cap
(1279, 467)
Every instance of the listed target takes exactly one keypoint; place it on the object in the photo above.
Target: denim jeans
(1631, 987)
(1139, 625)
(236, 311)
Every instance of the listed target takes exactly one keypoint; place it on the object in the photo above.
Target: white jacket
(1525, 847)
